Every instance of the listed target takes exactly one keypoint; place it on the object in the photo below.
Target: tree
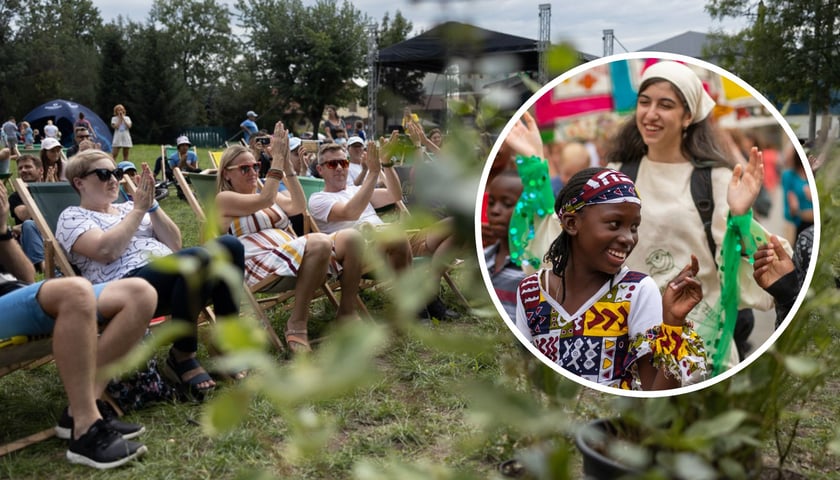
(198, 44)
(59, 41)
(303, 57)
(791, 49)
(398, 87)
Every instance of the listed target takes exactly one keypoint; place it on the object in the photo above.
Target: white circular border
(546, 89)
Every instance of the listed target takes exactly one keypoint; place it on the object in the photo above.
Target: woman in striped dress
(259, 217)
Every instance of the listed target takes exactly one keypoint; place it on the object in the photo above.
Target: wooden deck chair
(18, 353)
(215, 158)
(280, 288)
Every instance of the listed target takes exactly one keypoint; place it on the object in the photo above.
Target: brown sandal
(298, 341)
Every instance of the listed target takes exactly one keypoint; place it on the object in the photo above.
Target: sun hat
(251, 113)
(182, 140)
(49, 143)
(700, 104)
(125, 166)
(354, 140)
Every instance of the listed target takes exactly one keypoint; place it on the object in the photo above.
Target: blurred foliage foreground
(721, 431)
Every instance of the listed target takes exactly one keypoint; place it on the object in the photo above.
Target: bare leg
(348, 252)
(311, 275)
(130, 304)
(440, 243)
(125, 153)
(72, 303)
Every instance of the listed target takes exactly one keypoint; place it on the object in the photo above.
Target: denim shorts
(23, 315)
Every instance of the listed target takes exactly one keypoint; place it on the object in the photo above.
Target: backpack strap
(701, 194)
(704, 201)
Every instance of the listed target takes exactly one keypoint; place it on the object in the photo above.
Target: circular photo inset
(637, 221)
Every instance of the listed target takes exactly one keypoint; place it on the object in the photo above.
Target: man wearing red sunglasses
(341, 206)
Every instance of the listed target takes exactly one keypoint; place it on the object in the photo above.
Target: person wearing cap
(340, 206)
(249, 126)
(357, 170)
(184, 158)
(672, 134)
(52, 158)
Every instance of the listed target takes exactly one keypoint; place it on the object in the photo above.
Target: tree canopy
(792, 47)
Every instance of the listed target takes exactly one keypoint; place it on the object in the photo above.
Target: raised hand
(772, 262)
(374, 152)
(746, 183)
(144, 196)
(279, 148)
(524, 138)
(682, 294)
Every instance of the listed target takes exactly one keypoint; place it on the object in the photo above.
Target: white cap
(294, 143)
(251, 113)
(49, 143)
(354, 140)
(182, 140)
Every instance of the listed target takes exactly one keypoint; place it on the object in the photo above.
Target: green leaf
(722, 424)
(691, 466)
(225, 411)
(802, 367)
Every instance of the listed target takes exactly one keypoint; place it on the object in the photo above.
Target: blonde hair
(228, 156)
(118, 106)
(81, 162)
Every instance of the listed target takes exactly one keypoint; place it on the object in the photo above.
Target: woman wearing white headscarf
(669, 137)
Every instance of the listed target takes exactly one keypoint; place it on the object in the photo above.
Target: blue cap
(126, 165)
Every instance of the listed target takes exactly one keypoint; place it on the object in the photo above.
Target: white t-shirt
(321, 203)
(353, 171)
(74, 221)
(51, 131)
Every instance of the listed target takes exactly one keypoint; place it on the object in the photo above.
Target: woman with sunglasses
(259, 216)
(107, 241)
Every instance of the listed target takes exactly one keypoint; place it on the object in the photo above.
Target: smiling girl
(592, 315)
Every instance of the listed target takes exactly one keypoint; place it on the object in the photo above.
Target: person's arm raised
(352, 209)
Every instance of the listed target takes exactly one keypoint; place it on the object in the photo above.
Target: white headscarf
(700, 104)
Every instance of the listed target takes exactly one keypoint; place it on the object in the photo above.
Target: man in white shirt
(341, 205)
(51, 131)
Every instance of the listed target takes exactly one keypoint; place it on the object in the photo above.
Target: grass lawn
(411, 412)
(411, 420)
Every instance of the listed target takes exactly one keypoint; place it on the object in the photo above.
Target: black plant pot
(596, 465)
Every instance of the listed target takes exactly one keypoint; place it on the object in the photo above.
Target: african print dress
(603, 340)
(269, 248)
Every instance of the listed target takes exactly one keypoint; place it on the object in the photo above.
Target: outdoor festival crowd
(592, 288)
(118, 240)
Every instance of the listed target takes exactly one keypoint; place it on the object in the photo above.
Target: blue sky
(636, 23)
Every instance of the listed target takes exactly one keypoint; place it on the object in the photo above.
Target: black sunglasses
(333, 164)
(104, 174)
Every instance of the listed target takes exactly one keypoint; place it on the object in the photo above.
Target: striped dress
(269, 248)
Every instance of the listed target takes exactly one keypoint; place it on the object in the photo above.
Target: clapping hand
(746, 183)
(682, 294)
(279, 148)
(524, 138)
(144, 196)
(772, 262)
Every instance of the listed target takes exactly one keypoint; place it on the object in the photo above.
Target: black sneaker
(102, 447)
(64, 429)
(437, 309)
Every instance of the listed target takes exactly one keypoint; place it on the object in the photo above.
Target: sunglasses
(104, 174)
(246, 168)
(333, 164)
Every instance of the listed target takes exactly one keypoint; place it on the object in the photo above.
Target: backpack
(701, 193)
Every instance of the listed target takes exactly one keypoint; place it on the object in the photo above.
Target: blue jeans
(31, 242)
